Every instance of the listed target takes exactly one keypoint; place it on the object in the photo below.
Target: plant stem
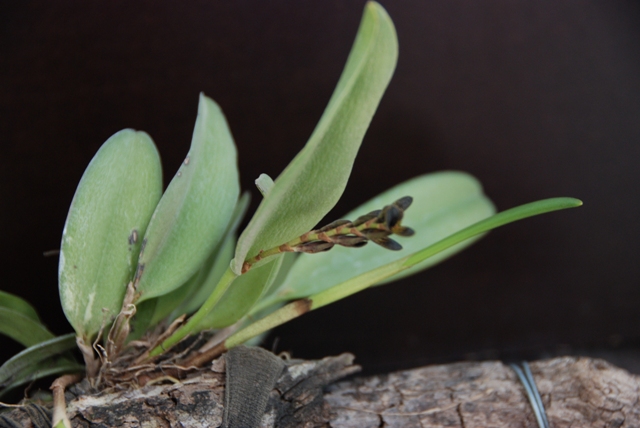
(227, 278)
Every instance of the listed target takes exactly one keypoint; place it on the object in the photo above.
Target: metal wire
(525, 376)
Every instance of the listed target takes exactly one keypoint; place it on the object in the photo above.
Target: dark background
(536, 99)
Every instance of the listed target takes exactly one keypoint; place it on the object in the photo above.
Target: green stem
(192, 323)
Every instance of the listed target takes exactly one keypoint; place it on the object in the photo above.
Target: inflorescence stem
(375, 226)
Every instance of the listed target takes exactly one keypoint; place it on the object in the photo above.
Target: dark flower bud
(333, 225)
(314, 247)
(403, 203)
(350, 241)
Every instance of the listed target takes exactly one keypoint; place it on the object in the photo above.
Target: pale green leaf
(11, 301)
(190, 295)
(242, 295)
(21, 365)
(209, 277)
(167, 303)
(107, 219)
(195, 210)
(443, 203)
(214, 267)
(264, 183)
(314, 181)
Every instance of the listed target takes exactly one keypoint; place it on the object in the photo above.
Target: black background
(536, 99)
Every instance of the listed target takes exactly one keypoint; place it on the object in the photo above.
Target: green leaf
(107, 219)
(11, 301)
(314, 181)
(20, 321)
(365, 280)
(50, 367)
(264, 183)
(377, 275)
(193, 214)
(190, 295)
(22, 328)
(242, 295)
(210, 275)
(167, 303)
(22, 365)
(214, 267)
(443, 203)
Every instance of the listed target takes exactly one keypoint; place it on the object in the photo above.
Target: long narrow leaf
(22, 328)
(19, 365)
(314, 181)
(363, 281)
(51, 367)
(11, 301)
(195, 210)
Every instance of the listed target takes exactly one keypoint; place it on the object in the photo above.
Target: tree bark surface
(576, 392)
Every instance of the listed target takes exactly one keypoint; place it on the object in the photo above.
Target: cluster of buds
(375, 226)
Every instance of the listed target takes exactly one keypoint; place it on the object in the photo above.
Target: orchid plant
(142, 270)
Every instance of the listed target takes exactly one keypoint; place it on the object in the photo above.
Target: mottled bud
(334, 225)
(350, 240)
(404, 203)
(314, 247)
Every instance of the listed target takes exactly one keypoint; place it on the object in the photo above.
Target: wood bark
(577, 392)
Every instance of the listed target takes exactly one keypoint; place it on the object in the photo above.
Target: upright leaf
(314, 181)
(190, 295)
(194, 212)
(107, 219)
(443, 203)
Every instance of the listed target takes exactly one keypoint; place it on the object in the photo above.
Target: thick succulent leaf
(22, 328)
(242, 295)
(107, 219)
(210, 276)
(167, 303)
(443, 203)
(195, 210)
(314, 181)
(215, 266)
(22, 364)
(190, 295)
(13, 302)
